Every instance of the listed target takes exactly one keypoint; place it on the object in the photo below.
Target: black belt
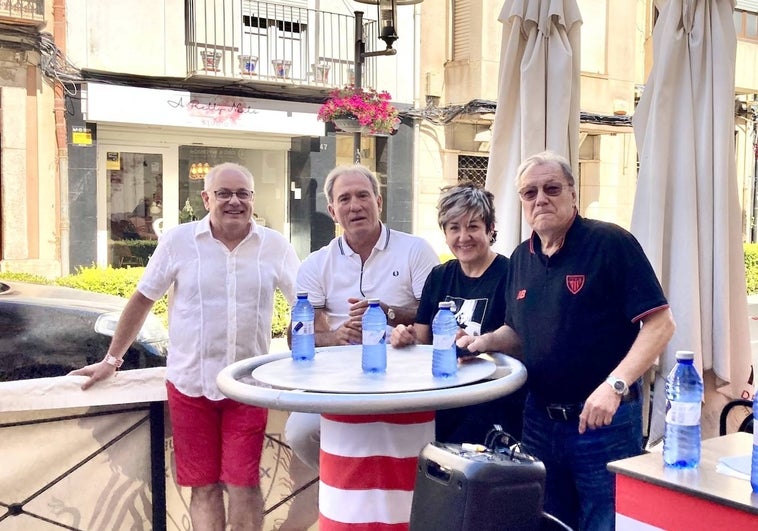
(567, 412)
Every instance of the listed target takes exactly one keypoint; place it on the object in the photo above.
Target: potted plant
(355, 110)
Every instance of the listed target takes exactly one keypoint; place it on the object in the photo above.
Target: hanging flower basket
(350, 125)
(372, 110)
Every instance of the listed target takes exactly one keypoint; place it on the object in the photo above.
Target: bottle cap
(445, 304)
(302, 294)
(373, 301)
(685, 355)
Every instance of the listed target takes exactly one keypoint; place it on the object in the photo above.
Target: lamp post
(387, 17)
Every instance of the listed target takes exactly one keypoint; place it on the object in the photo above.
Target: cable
(499, 441)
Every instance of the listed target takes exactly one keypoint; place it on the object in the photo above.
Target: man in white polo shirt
(369, 260)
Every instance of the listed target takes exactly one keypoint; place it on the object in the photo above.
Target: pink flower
(372, 109)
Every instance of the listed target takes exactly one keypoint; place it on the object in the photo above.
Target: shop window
(135, 203)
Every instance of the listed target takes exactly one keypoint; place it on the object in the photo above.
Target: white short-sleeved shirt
(223, 301)
(395, 273)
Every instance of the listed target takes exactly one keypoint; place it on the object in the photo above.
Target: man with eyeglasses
(589, 316)
(224, 270)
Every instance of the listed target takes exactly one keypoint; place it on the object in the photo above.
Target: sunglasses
(529, 193)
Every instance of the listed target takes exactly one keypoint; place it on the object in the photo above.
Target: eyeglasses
(529, 193)
(226, 195)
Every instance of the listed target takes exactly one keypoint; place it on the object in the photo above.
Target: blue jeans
(579, 489)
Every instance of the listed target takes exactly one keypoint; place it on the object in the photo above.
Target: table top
(474, 386)
(702, 482)
(338, 370)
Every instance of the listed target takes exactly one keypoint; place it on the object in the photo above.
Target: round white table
(372, 426)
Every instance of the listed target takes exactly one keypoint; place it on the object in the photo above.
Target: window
(746, 24)
(472, 168)
(276, 44)
(594, 35)
(134, 194)
(462, 32)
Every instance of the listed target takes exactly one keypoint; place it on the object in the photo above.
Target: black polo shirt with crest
(579, 311)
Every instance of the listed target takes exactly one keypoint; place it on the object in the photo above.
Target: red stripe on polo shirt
(325, 524)
(373, 472)
(389, 418)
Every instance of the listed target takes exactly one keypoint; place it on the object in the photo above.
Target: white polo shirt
(394, 273)
(223, 301)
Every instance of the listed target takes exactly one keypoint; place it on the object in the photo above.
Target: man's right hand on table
(96, 372)
(348, 334)
(403, 335)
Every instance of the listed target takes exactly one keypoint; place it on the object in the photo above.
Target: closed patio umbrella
(686, 210)
(538, 100)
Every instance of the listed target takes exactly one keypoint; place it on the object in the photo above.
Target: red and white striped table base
(368, 469)
(642, 506)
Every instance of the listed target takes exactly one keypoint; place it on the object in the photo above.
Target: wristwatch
(113, 361)
(619, 386)
(390, 314)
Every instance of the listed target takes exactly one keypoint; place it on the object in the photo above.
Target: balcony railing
(22, 11)
(270, 42)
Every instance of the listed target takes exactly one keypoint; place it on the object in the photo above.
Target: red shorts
(216, 441)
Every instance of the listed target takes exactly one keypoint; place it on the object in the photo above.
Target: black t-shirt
(578, 312)
(479, 306)
(479, 302)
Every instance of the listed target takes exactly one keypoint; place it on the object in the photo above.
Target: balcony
(23, 12)
(277, 44)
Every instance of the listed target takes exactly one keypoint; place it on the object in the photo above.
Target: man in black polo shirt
(578, 290)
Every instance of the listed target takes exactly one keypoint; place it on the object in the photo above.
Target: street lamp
(387, 16)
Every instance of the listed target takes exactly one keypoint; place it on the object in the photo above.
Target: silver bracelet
(113, 360)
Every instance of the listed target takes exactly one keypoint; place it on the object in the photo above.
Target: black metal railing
(270, 42)
(22, 10)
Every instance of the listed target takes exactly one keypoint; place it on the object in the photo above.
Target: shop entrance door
(130, 204)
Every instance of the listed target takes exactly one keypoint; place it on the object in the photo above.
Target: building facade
(113, 116)
(465, 70)
(616, 55)
(164, 90)
(30, 206)
(200, 82)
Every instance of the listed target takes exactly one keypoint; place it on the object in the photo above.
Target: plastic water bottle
(303, 339)
(444, 329)
(374, 325)
(754, 467)
(684, 396)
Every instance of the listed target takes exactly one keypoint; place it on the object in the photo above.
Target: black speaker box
(460, 489)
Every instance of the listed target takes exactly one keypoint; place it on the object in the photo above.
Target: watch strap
(619, 386)
(113, 360)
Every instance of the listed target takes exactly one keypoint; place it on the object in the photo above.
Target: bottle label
(442, 342)
(682, 413)
(374, 337)
(303, 328)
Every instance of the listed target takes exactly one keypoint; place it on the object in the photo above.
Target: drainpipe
(419, 102)
(59, 107)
